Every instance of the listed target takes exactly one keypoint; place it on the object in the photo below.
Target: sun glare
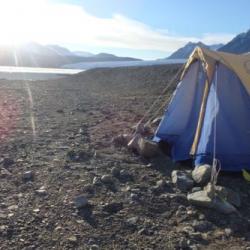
(20, 21)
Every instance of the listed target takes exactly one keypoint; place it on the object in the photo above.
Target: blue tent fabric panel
(230, 105)
(177, 113)
(180, 120)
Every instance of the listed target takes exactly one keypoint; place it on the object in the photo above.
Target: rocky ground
(65, 185)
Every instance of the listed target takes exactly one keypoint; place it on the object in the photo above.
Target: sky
(146, 29)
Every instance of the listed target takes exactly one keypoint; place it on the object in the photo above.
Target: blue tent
(209, 114)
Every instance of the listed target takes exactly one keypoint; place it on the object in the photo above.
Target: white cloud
(47, 22)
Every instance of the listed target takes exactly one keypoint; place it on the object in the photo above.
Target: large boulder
(202, 174)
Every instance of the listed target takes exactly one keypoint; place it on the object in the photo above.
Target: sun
(20, 20)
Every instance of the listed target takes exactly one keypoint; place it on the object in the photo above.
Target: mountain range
(37, 55)
(53, 56)
(239, 44)
(184, 52)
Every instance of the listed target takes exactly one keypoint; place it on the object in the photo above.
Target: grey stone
(202, 174)
(188, 229)
(13, 207)
(182, 180)
(200, 198)
(202, 217)
(42, 191)
(107, 179)
(133, 220)
(81, 201)
(228, 232)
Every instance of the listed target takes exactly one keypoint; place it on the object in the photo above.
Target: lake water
(34, 73)
(87, 65)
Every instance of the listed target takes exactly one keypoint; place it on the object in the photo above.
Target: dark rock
(134, 197)
(89, 189)
(81, 202)
(202, 226)
(115, 171)
(223, 206)
(77, 156)
(71, 155)
(82, 155)
(160, 186)
(182, 180)
(28, 176)
(113, 208)
(7, 162)
(125, 175)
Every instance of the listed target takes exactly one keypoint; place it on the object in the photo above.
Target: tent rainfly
(209, 114)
